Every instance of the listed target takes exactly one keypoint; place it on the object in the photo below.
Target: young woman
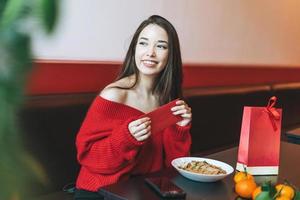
(114, 141)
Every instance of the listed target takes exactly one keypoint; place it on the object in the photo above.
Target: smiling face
(151, 53)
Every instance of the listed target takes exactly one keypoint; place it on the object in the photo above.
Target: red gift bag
(260, 139)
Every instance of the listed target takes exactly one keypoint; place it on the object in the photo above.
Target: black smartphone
(165, 187)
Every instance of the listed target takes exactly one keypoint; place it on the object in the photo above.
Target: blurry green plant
(18, 18)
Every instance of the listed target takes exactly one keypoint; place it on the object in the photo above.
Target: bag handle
(273, 113)
(272, 102)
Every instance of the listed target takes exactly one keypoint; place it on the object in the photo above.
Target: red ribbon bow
(273, 113)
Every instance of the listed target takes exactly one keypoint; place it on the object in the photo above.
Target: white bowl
(201, 177)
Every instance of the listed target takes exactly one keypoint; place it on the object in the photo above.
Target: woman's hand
(184, 111)
(140, 129)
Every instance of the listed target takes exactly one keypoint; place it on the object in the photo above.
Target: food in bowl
(202, 167)
(180, 163)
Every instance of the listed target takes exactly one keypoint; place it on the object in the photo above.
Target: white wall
(210, 31)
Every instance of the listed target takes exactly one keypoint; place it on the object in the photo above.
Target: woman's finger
(175, 108)
(189, 116)
(180, 102)
(143, 137)
(180, 112)
(141, 127)
(138, 121)
(142, 131)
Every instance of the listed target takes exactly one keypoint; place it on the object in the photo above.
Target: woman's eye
(143, 43)
(162, 46)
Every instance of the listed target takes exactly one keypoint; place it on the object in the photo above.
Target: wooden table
(135, 188)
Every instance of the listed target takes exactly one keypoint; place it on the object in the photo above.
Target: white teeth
(149, 62)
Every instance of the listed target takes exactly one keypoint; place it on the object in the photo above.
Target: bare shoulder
(115, 92)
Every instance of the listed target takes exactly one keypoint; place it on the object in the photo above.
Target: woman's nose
(151, 52)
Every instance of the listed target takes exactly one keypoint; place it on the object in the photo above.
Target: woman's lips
(149, 63)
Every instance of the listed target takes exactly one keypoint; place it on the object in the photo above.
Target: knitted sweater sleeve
(104, 144)
(177, 142)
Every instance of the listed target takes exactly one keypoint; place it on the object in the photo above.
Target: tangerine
(282, 198)
(242, 176)
(245, 188)
(256, 192)
(285, 190)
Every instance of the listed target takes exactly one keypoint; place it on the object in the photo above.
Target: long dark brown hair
(168, 84)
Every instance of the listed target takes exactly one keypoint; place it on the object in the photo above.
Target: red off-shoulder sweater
(107, 152)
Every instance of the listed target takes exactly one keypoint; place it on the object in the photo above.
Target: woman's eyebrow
(163, 41)
(143, 38)
(159, 41)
